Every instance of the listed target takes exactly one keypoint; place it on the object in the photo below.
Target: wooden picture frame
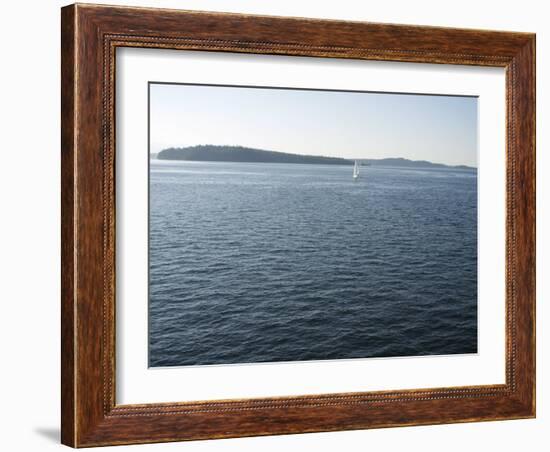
(90, 36)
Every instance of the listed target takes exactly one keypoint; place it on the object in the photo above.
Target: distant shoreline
(239, 154)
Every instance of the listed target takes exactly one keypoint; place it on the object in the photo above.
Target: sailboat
(355, 170)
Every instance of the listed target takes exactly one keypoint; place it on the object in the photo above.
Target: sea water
(262, 262)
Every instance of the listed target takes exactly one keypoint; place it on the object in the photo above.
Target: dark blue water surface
(283, 262)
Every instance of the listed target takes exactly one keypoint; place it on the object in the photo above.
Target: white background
(29, 230)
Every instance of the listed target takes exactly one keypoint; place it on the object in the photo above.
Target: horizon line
(323, 156)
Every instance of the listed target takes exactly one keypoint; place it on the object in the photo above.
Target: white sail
(355, 170)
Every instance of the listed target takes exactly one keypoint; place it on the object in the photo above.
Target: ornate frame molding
(90, 36)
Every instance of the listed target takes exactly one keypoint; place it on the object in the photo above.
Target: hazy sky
(441, 129)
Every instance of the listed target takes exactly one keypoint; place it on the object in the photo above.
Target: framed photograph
(281, 225)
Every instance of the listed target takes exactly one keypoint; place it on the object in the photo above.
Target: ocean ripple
(272, 262)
